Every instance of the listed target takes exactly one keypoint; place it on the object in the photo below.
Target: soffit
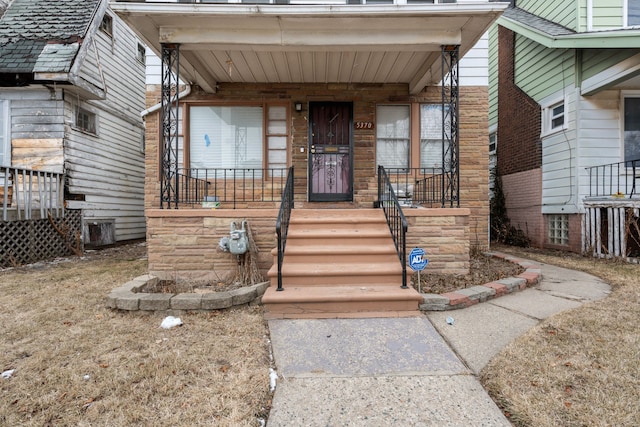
(310, 44)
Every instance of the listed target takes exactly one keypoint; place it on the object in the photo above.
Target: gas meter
(238, 242)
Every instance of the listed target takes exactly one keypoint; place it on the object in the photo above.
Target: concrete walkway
(416, 371)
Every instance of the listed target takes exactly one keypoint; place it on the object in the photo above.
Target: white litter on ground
(170, 321)
(7, 374)
(273, 379)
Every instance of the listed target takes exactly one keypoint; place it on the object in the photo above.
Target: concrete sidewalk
(416, 371)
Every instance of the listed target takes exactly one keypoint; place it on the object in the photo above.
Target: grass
(580, 367)
(79, 363)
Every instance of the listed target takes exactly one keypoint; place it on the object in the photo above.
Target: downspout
(156, 107)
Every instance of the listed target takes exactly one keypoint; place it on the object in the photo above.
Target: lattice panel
(28, 241)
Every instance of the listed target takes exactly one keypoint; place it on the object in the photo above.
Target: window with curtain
(431, 145)
(393, 133)
(229, 137)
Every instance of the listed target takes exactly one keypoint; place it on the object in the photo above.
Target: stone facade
(185, 240)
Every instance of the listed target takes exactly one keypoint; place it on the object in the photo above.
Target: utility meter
(238, 242)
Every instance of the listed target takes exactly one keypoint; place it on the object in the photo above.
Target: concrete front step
(339, 263)
(341, 301)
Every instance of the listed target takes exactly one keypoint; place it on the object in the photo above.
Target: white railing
(26, 192)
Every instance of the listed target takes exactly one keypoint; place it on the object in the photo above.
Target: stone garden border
(128, 298)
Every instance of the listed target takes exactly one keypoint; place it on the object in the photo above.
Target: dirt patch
(482, 269)
(187, 286)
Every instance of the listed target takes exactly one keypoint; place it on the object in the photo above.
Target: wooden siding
(562, 12)
(37, 129)
(607, 14)
(107, 168)
(493, 75)
(599, 133)
(559, 160)
(595, 61)
(540, 71)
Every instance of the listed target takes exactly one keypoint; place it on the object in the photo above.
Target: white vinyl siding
(5, 132)
(225, 137)
(393, 132)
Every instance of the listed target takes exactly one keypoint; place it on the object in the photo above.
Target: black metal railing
(389, 203)
(27, 192)
(420, 186)
(231, 186)
(614, 179)
(282, 224)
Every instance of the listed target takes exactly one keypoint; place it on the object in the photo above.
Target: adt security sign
(417, 261)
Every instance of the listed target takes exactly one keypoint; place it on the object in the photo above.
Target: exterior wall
(494, 75)
(540, 71)
(184, 243)
(37, 130)
(607, 14)
(523, 192)
(519, 122)
(595, 61)
(106, 170)
(562, 12)
(473, 137)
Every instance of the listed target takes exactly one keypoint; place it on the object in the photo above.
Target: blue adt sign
(417, 261)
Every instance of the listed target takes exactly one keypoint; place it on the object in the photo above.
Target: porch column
(169, 116)
(450, 138)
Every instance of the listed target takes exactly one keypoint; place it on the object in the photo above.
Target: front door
(330, 148)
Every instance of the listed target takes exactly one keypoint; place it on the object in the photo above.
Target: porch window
(229, 137)
(393, 134)
(277, 135)
(431, 144)
(631, 128)
(558, 229)
(5, 140)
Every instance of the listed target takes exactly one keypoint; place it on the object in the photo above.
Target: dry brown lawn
(580, 367)
(79, 363)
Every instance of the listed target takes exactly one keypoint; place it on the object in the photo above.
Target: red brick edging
(469, 296)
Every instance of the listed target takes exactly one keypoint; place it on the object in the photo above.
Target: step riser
(325, 259)
(355, 280)
(341, 307)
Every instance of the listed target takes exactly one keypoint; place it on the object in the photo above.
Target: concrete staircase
(339, 263)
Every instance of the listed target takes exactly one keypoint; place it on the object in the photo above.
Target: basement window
(558, 229)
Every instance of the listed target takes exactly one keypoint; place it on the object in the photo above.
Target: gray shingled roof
(536, 22)
(43, 34)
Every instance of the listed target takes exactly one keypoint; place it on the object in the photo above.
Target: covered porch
(326, 93)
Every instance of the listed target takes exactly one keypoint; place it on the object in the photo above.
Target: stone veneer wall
(184, 243)
(474, 149)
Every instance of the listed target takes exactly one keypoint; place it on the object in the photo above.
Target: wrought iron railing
(26, 191)
(235, 187)
(389, 203)
(614, 179)
(421, 186)
(282, 224)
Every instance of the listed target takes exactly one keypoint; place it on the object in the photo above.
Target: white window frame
(5, 133)
(393, 137)
(493, 140)
(548, 116)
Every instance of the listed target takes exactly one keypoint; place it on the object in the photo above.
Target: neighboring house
(71, 91)
(285, 115)
(565, 114)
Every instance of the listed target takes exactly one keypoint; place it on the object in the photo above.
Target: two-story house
(565, 115)
(71, 136)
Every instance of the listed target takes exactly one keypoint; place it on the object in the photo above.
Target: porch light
(298, 106)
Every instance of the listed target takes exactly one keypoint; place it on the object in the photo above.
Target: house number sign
(364, 125)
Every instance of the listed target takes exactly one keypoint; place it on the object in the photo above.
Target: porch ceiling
(310, 43)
